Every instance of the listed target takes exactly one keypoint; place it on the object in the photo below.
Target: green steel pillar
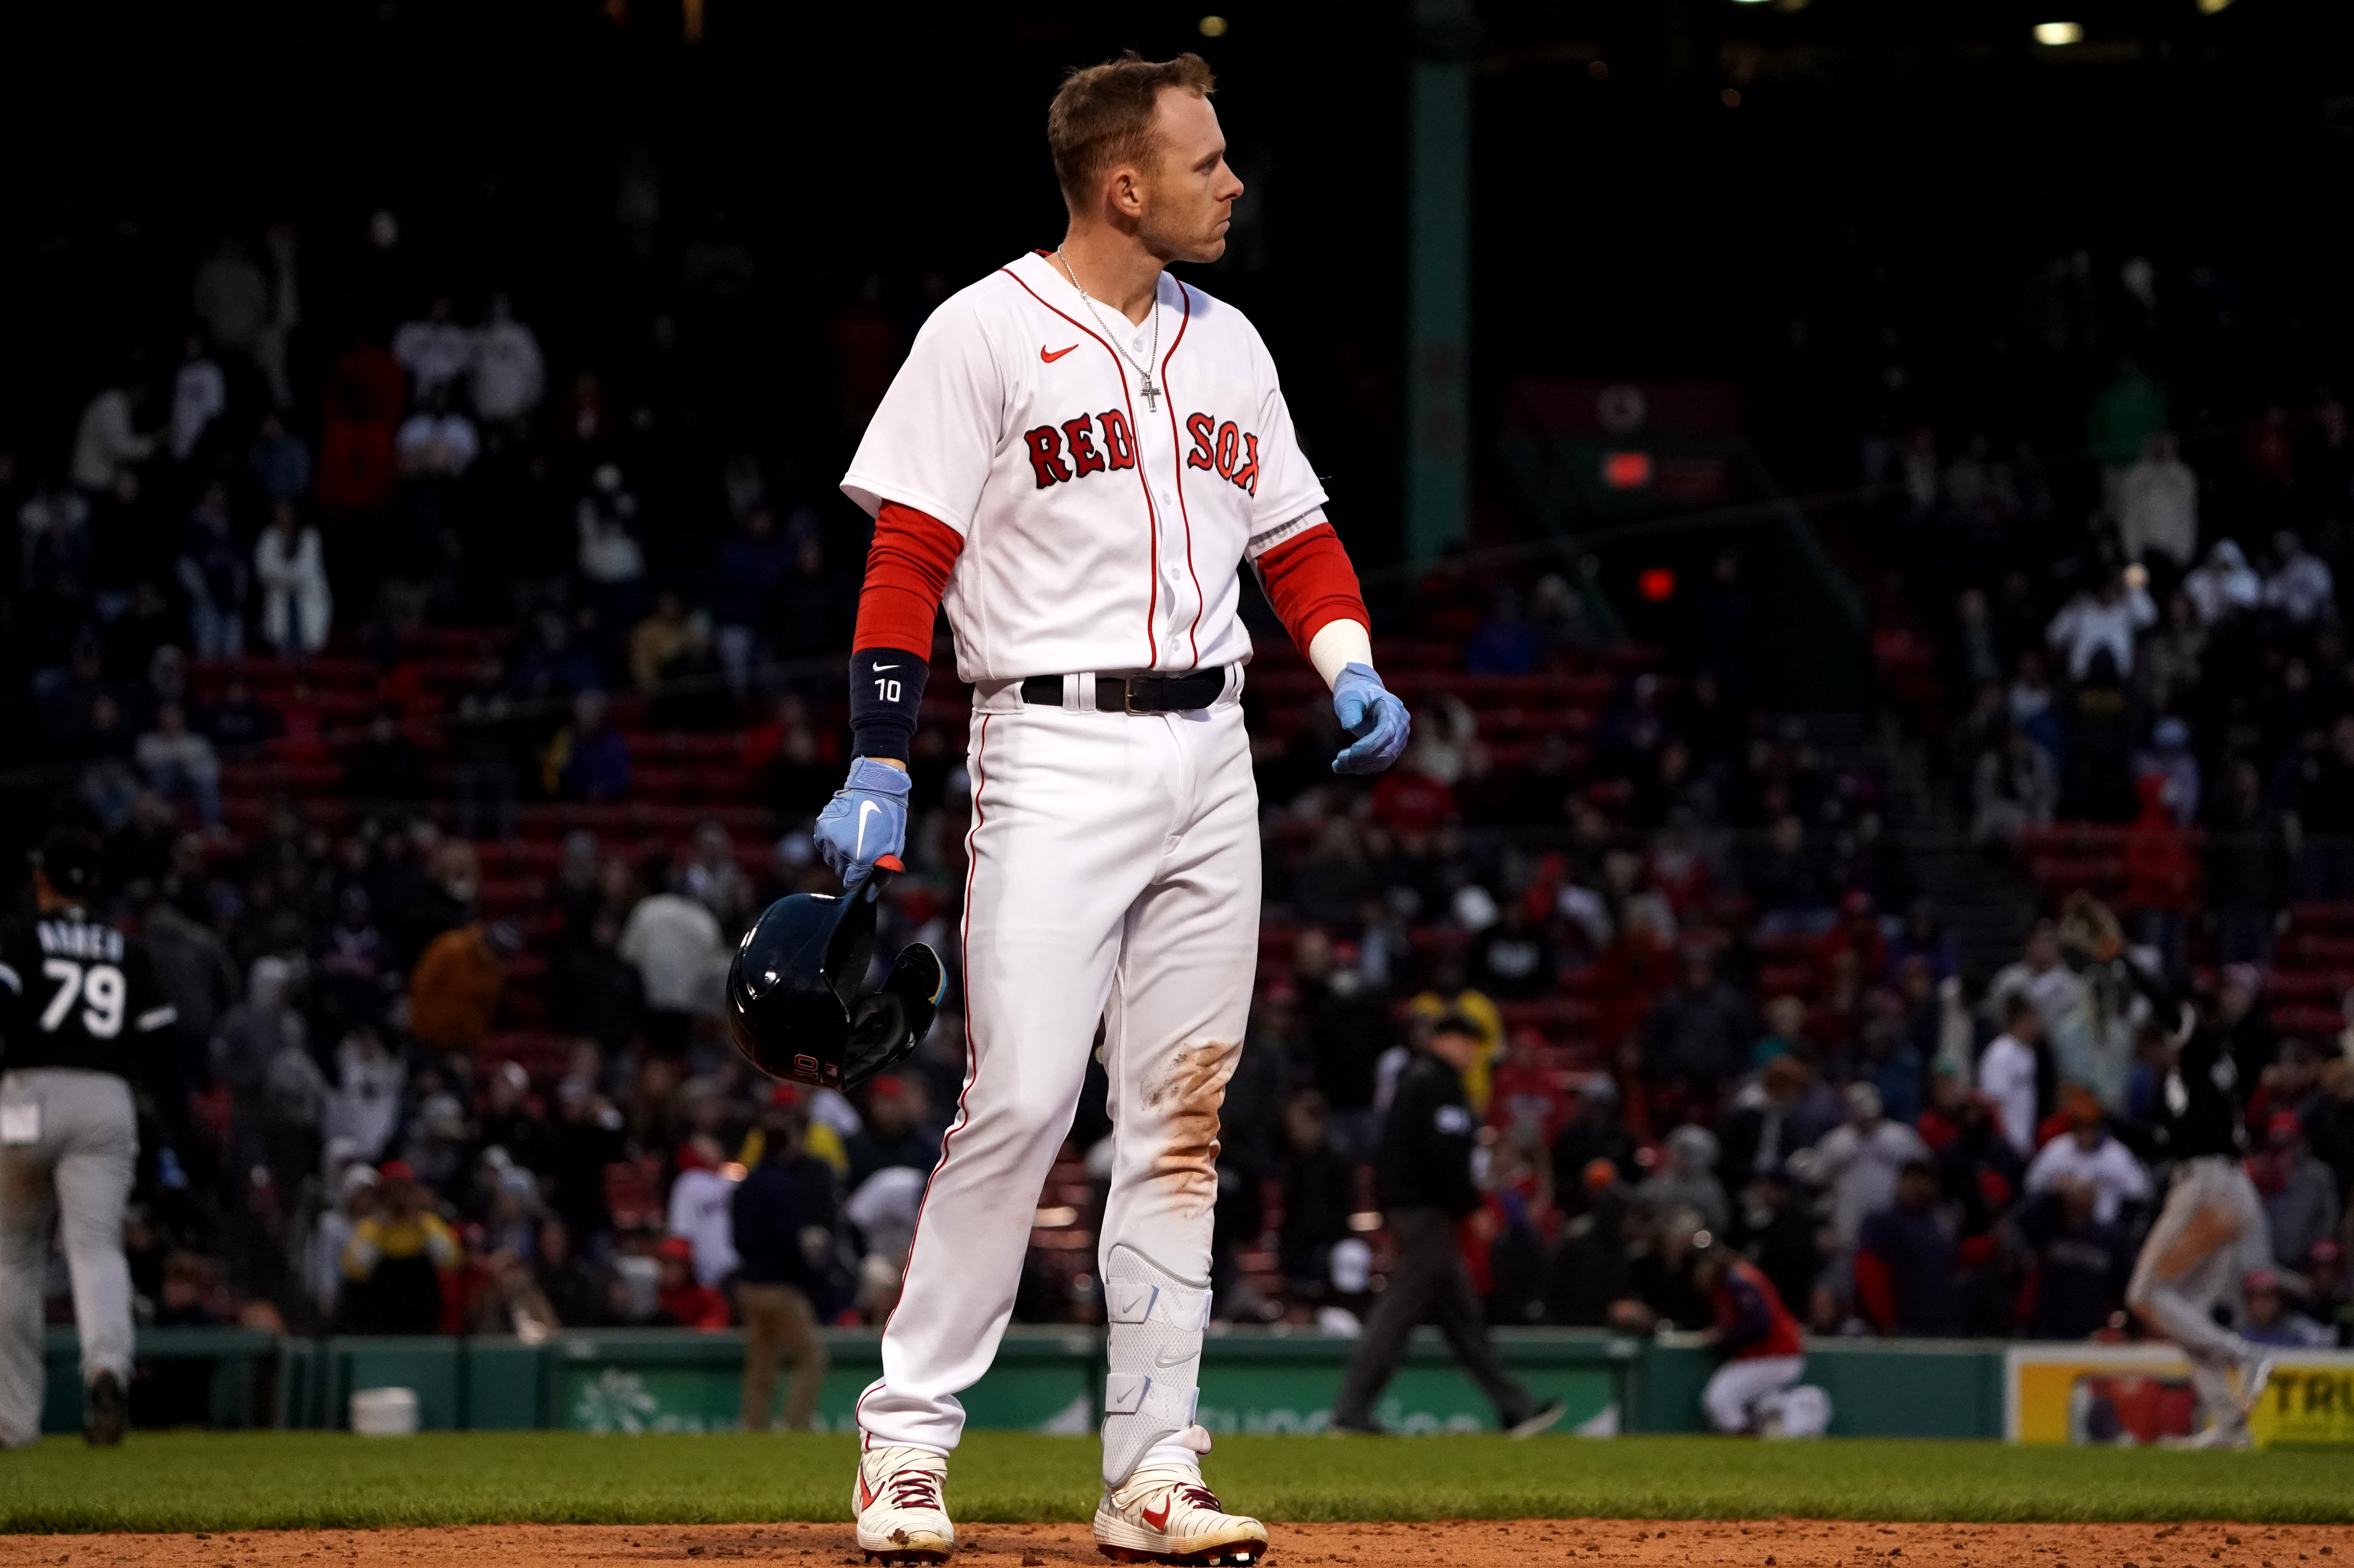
(1439, 280)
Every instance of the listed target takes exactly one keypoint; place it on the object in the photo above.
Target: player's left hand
(1368, 712)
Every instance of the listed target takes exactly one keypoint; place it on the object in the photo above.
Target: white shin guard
(1153, 1352)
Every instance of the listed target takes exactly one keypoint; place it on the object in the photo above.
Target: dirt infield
(1766, 1543)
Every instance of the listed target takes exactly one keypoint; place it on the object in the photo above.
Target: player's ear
(1126, 190)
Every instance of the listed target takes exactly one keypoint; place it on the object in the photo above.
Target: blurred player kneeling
(1757, 1389)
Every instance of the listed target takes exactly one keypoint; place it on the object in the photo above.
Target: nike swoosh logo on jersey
(1059, 353)
(1156, 1522)
(864, 807)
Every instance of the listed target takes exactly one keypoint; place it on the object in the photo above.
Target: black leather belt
(1137, 693)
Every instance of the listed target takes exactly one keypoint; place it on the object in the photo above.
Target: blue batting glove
(1378, 720)
(866, 819)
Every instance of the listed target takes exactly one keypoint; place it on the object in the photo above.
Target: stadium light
(2059, 34)
(1213, 26)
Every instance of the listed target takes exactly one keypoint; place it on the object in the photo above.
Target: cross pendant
(1151, 397)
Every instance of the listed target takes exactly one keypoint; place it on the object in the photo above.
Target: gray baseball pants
(2183, 1305)
(68, 1141)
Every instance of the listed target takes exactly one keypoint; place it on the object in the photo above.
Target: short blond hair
(1102, 114)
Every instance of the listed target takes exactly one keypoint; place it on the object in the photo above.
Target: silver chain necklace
(1150, 393)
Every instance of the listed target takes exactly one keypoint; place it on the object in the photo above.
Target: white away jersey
(1100, 533)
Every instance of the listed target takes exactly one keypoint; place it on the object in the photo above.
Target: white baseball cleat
(1164, 1514)
(903, 1515)
(2256, 1376)
(2215, 1435)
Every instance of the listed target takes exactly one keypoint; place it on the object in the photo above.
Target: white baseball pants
(1114, 876)
(1734, 1388)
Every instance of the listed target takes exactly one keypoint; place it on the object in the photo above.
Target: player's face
(1190, 197)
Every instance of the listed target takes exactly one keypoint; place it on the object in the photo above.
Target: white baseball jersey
(1101, 526)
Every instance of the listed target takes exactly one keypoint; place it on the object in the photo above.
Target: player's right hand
(866, 819)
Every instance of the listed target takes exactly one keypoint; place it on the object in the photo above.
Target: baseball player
(1075, 459)
(1765, 1354)
(79, 1007)
(2212, 1230)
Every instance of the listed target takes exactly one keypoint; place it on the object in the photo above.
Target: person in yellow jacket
(1449, 994)
(396, 1258)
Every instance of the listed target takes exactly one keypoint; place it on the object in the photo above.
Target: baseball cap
(2324, 1252)
(678, 1247)
(397, 1170)
(2260, 1279)
(2282, 1126)
(70, 858)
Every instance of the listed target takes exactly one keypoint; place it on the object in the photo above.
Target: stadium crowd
(445, 720)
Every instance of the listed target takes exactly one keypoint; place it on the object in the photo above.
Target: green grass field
(294, 1480)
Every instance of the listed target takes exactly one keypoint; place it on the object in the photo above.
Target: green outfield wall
(1045, 1379)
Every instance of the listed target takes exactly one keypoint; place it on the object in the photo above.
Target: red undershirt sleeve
(907, 568)
(1310, 583)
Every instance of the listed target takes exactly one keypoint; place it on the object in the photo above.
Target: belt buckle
(1128, 696)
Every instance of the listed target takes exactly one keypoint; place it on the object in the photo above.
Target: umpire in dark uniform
(1426, 1186)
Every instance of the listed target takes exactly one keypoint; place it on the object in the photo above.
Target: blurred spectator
(199, 397)
(681, 956)
(1905, 1261)
(1858, 1162)
(355, 1200)
(610, 558)
(2157, 505)
(2077, 1261)
(2300, 1194)
(181, 763)
(359, 424)
(700, 1200)
(2090, 1157)
(587, 760)
(509, 376)
(2007, 1071)
(2299, 586)
(108, 442)
(782, 1217)
(297, 607)
(752, 565)
(2102, 620)
(1686, 1178)
(212, 573)
(1697, 1036)
(685, 1301)
(385, 770)
(2270, 1320)
(892, 1130)
(1319, 1193)
(436, 442)
(395, 1261)
(277, 461)
(435, 350)
(2224, 585)
(453, 994)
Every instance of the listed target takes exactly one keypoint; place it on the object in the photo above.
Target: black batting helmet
(796, 997)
